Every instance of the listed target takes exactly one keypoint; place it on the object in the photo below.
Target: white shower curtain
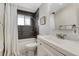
(1, 28)
(11, 30)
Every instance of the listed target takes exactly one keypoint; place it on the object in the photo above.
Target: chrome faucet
(74, 28)
(61, 35)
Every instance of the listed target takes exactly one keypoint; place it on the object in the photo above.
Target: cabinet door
(45, 50)
(52, 50)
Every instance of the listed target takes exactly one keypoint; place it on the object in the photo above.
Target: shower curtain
(11, 36)
(1, 28)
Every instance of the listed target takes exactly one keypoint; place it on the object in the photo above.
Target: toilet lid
(31, 45)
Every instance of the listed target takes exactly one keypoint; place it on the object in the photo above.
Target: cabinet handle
(40, 44)
(1, 24)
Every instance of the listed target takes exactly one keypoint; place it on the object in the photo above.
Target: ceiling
(32, 7)
(58, 6)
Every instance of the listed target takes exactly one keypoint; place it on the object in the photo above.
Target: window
(20, 19)
(24, 20)
(27, 20)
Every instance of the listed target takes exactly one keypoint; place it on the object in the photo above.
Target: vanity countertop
(68, 47)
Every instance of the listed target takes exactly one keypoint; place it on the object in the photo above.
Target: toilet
(27, 47)
(31, 48)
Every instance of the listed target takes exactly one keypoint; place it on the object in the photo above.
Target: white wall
(51, 23)
(67, 16)
(44, 10)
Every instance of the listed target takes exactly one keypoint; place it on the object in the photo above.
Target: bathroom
(39, 29)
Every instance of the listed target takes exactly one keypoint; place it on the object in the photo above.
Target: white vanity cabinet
(52, 46)
(44, 49)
